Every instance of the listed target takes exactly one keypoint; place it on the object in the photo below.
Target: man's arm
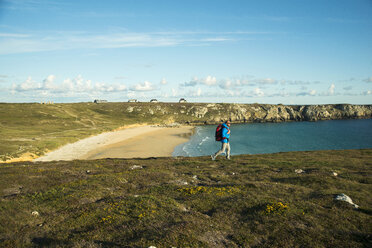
(225, 131)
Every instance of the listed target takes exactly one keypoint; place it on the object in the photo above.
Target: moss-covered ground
(249, 201)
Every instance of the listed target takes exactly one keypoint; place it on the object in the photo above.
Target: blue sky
(289, 51)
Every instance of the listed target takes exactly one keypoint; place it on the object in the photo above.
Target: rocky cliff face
(198, 113)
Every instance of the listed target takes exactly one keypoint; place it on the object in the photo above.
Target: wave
(185, 150)
(204, 140)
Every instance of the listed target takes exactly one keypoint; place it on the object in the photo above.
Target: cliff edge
(210, 113)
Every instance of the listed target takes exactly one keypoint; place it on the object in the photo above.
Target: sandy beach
(135, 142)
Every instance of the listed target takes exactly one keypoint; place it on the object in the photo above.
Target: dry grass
(250, 201)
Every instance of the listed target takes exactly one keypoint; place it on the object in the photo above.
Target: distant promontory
(210, 113)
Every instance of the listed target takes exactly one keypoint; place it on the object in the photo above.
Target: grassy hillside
(250, 201)
(37, 128)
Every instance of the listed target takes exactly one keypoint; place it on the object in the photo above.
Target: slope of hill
(271, 200)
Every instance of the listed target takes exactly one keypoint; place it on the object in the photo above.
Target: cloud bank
(198, 88)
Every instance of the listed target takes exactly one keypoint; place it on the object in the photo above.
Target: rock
(136, 167)
(183, 208)
(173, 124)
(345, 198)
(181, 182)
(86, 200)
(334, 174)
(152, 246)
(35, 213)
(88, 171)
(12, 191)
(299, 171)
(199, 112)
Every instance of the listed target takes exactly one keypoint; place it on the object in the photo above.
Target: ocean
(259, 138)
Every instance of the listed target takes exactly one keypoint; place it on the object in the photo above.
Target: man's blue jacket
(225, 133)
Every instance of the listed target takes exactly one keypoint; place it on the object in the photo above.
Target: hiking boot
(213, 157)
(228, 158)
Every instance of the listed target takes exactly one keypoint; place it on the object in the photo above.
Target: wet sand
(136, 142)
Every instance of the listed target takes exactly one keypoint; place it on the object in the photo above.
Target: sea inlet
(259, 138)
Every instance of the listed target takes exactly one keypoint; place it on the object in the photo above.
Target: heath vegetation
(249, 201)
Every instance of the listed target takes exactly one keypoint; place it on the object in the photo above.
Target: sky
(229, 51)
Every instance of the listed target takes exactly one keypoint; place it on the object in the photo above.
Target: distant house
(154, 100)
(100, 101)
(132, 100)
(182, 100)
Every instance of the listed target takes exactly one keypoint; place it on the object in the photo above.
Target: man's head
(227, 123)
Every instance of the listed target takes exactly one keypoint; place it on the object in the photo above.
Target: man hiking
(225, 145)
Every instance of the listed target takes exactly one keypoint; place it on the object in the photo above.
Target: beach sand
(135, 142)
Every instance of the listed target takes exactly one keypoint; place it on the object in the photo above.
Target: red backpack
(218, 134)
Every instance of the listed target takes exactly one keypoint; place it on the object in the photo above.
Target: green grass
(250, 201)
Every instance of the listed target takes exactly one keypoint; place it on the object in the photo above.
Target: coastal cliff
(210, 113)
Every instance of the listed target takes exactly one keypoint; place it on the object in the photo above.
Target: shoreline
(133, 142)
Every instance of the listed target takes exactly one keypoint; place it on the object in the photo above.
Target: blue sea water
(256, 138)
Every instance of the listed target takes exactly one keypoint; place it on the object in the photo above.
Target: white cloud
(121, 87)
(48, 82)
(331, 89)
(163, 81)
(27, 85)
(368, 80)
(235, 83)
(233, 93)
(209, 80)
(34, 41)
(258, 92)
(78, 84)
(67, 87)
(226, 84)
(306, 93)
(367, 93)
(266, 81)
(191, 93)
(312, 92)
(146, 86)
